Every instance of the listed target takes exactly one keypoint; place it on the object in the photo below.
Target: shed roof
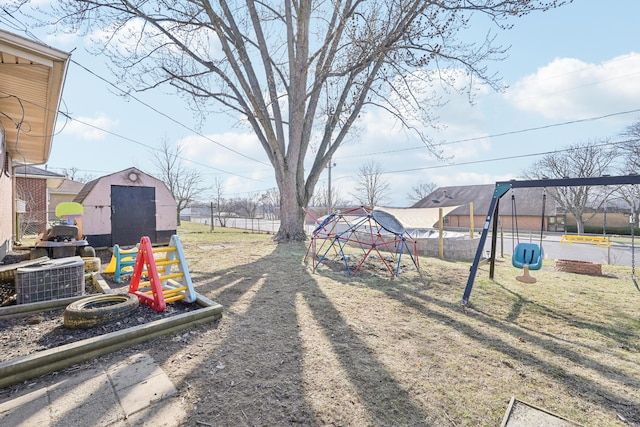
(89, 186)
(84, 192)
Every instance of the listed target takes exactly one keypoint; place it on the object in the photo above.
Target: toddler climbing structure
(122, 262)
(174, 284)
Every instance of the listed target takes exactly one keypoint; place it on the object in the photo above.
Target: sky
(572, 76)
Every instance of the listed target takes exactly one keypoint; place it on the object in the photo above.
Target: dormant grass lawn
(375, 350)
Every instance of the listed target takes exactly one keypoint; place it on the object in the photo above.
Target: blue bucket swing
(528, 256)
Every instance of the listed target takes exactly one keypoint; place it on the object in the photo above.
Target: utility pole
(212, 218)
(329, 207)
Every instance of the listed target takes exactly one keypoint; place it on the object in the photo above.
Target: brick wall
(6, 213)
(34, 192)
(453, 249)
(579, 267)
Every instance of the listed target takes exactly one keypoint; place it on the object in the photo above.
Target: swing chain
(514, 220)
(633, 250)
(544, 202)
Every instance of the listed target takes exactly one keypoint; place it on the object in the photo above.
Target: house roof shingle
(528, 200)
(29, 171)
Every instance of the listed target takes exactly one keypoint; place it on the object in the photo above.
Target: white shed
(124, 206)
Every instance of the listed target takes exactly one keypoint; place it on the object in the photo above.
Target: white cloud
(59, 39)
(569, 89)
(88, 128)
(144, 39)
(209, 149)
(247, 175)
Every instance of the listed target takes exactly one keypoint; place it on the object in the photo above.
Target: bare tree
(630, 153)
(372, 188)
(421, 190)
(183, 183)
(247, 206)
(321, 198)
(631, 195)
(631, 148)
(300, 70)
(73, 174)
(222, 204)
(585, 160)
(270, 200)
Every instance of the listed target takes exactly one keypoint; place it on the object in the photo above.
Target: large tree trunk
(291, 211)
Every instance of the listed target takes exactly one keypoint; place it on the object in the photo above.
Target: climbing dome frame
(371, 231)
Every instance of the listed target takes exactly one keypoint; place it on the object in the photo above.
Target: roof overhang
(31, 80)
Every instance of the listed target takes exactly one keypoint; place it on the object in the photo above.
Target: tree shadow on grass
(624, 338)
(474, 326)
(253, 372)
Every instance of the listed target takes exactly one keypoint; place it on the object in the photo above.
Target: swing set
(528, 254)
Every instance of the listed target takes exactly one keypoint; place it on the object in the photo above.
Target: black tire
(99, 309)
(86, 252)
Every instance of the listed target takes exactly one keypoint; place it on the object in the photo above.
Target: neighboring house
(528, 209)
(196, 212)
(34, 186)
(66, 192)
(31, 80)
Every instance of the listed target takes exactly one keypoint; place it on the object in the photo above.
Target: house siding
(6, 214)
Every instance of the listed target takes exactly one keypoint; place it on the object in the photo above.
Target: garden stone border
(44, 362)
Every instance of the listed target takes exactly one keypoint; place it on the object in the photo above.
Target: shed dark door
(133, 214)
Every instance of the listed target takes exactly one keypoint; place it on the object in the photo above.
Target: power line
(25, 29)
(128, 94)
(497, 135)
(497, 159)
(155, 148)
(520, 156)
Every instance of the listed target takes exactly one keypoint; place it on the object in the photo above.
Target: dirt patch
(23, 335)
(297, 347)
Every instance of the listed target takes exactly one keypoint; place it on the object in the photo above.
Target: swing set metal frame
(502, 187)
